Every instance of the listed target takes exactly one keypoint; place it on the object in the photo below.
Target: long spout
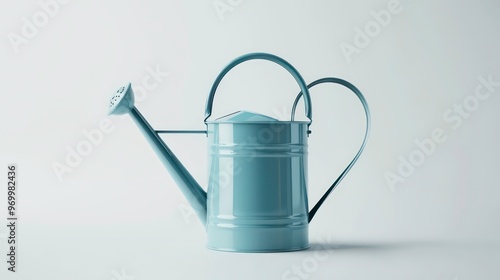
(123, 102)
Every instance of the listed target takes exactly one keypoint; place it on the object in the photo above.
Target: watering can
(256, 200)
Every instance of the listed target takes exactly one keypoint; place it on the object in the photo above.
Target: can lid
(245, 116)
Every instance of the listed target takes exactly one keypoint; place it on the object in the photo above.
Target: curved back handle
(265, 56)
(367, 132)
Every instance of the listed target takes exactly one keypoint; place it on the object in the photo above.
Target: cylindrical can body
(257, 191)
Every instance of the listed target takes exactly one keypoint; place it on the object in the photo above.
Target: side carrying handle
(304, 89)
(367, 132)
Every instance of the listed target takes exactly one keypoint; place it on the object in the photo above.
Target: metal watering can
(256, 199)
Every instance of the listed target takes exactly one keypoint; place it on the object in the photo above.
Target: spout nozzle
(122, 101)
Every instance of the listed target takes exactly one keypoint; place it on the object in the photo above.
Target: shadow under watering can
(256, 200)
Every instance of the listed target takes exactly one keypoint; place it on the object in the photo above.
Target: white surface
(118, 212)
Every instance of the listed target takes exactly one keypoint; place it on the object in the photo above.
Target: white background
(118, 215)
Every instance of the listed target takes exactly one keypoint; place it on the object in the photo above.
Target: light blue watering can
(256, 199)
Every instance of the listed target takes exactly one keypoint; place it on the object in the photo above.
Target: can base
(258, 239)
(232, 250)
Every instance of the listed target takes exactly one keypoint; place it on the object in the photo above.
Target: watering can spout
(122, 103)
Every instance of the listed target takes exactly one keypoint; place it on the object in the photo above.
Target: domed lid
(245, 116)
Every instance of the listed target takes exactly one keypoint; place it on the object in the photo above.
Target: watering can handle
(265, 56)
(367, 132)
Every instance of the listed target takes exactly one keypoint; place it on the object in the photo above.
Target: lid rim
(258, 122)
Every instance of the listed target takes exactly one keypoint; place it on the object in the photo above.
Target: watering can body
(257, 196)
(256, 199)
